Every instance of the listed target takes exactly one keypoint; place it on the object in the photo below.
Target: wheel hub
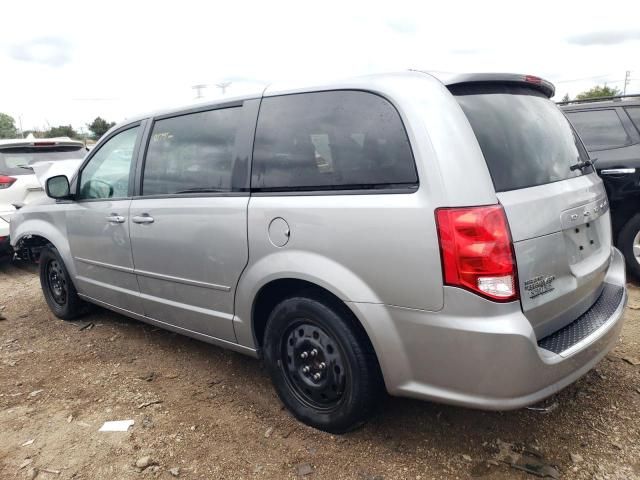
(57, 282)
(313, 365)
(636, 247)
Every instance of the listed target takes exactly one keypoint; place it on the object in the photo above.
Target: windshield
(14, 159)
(526, 140)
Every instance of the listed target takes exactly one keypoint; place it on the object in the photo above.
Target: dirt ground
(216, 415)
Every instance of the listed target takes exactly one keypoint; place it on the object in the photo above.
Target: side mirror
(58, 187)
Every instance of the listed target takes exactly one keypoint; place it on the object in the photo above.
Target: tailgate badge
(539, 285)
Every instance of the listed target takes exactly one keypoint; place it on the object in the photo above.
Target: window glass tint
(14, 159)
(525, 138)
(634, 113)
(330, 140)
(192, 153)
(599, 129)
(107, 175)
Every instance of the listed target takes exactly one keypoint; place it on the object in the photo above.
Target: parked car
(24, 164)
(610, 129)
(443, 238)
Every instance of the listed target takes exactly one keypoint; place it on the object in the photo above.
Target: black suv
(610, 129)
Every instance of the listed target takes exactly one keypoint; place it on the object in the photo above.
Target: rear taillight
(6, 182)
(477, 252)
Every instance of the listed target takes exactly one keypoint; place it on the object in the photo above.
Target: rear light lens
(477, 252)
(532, 79)
(6, 182)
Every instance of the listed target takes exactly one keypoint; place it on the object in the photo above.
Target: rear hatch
(559, 217)
(23, 166)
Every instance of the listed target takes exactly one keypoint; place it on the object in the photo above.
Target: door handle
(617, 171)
(113, 218)
(144, 218)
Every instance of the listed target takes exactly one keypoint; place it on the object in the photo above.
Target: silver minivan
(443, 238)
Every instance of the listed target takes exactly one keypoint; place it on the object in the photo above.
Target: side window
(599, 129)
(107, 175)
(192, 153)
(330, 140)
(634, 113)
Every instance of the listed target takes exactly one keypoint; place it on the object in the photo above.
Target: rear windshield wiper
(589, 162)
(26, 167)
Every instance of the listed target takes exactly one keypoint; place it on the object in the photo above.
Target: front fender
(43, 224)
(299, 265)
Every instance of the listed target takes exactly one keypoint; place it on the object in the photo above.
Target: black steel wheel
(57, 287)
(314, 366)
(322, 364)
(56, 282)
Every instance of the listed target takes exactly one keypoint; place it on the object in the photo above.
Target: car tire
(57, 287)
(322, 364)
(627, 240)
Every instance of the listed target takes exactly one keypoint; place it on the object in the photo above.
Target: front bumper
(481, 354)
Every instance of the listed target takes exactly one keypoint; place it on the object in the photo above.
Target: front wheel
(629, 243)
(323, 366)
(57, 287)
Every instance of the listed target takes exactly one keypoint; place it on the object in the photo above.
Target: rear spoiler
(530, 81)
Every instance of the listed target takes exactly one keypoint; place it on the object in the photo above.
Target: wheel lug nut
(304, 355)
(316, 376)
(305, 369)
(314, 352)
(322, 366)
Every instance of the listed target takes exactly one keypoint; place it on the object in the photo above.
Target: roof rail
(615, 98)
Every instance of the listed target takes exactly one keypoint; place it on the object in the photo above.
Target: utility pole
(626, 81)
(223, 86)
(198, 89)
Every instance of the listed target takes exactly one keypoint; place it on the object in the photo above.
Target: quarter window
(634, 113)
(108, 173)
(330, 140)
(599, 129)
(192, 153)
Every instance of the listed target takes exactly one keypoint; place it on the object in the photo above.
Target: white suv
(24, 165)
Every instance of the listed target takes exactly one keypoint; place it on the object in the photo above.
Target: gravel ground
(210, 413)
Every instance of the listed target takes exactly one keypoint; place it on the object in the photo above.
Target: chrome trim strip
(157, 276)
(185, 281)
(104, 265)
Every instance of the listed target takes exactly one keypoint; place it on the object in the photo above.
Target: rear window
(16, 160)
(600, 129)
(192, 153)
(525, 139)
(338, 140)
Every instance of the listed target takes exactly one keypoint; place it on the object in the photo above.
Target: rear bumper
(485, 355)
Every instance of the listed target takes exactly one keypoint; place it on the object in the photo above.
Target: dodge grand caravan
(441, 238)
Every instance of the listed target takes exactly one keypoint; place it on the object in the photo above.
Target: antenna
(198, 89)
(223, 86)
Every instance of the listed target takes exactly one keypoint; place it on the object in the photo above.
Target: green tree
(99, 127)
(599, 91)
(566, 98)
(7, 126)
(61, 131)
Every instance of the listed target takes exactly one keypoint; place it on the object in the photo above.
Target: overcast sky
(67, 62)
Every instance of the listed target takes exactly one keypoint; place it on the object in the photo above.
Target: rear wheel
(57, 287)
(629, 243)
(323, 367)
